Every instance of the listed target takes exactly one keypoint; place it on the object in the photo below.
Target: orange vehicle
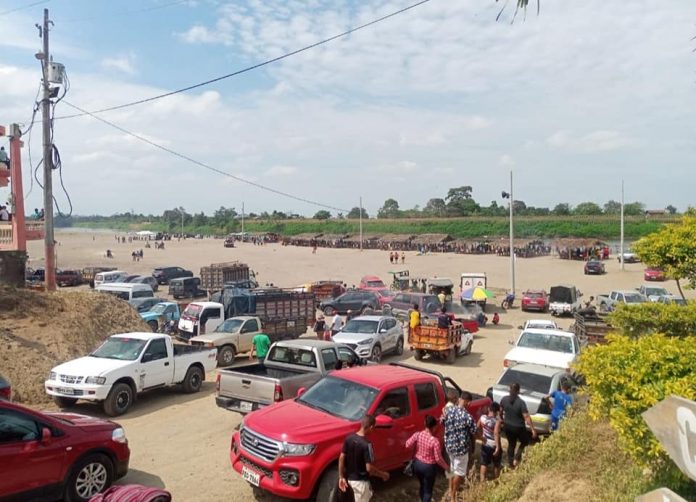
(441, 343)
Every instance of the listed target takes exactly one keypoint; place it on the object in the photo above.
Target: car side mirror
(147, 357)
(520, 327)
(46, 435)
(383, 330)
(384, 422)
(301, 391)
(511, 342)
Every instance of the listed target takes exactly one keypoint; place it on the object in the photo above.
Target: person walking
(336, 323)
(320, 327)
(426, 458)
(561, 400)
(414, 320)
(491, 448)
(259, 346)
(459, 439)
(515, 419)
(356, 462)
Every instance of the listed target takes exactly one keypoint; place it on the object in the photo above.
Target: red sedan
(653, 274)
(58, 455)
(536, 299)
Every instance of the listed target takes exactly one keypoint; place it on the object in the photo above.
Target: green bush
(647, 318)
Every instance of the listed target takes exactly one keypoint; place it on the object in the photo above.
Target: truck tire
(418, 355)
(467, 350)
(452, 355)
(64, 402)
(226, 356)
(399, 346)
(153, 326)
(118, 401)
(90, 475)
(193, 380)
(328, 486)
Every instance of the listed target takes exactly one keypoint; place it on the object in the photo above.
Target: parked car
(371, 336)
(130, 277)
(68, 278)
(628, 257)
(146, 279)
(653, 292)
(353, 300)
(403, 302)
(372, 282)
(145, 304)
(619, 297)
(385, 296)
(653, 274)
(539, 324)
(564, 300)
(125, 290)
(536, 382)
(668, 299)
(289, 366)
(35, 275)
(535, 299)
(199, 318)
(186, 287)
(110, 276)
(165, 274)
(126, 365)
(5, 388)
(291, 448)
(550, 347)
(594, 267)
(169, 310)
(89, 273)
(49, 455)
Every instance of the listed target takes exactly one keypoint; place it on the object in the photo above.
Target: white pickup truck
(126, 365)
(548, 347)
(618, 297)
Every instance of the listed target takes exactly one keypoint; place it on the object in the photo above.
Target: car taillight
(6, 393)
(278, 393)
(506, 363)
(217, 383)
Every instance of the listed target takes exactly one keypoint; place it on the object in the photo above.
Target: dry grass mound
(40, 330)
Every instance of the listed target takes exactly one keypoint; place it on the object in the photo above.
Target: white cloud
(596, 141)
(281, 171)
(124, 63)
(506, 161)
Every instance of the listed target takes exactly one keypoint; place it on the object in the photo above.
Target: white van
(126, 290)
(111, 276)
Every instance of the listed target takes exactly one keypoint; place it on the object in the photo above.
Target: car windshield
(541, 325)
(546, 341)
(339, 397)
(361, 326)
(527, 381)
(292, 355)
(229, 326)
(125, 349)
(656, 291)
(123, 295)
(193, 311)
(634, 298)
(375, 284)
(385, 293)
(533, 295)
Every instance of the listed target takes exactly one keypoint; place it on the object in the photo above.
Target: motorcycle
(508, 301)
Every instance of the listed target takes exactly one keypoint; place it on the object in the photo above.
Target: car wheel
(118, 401)
(226, 355)
(469, 346)
(376, 355)
(452, 355)
(418, 355)
(64, 402)
(153, 326)
(399, 346)
(89, 476)
(328, 487)
(193, 380)
(329, 311)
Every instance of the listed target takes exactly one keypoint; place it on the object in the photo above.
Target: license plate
(250, 476)
(63, 390)
(245, 406)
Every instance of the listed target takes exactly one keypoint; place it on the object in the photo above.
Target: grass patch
(582, 461)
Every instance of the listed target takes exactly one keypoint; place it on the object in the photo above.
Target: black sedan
(355, 301)
(594, 267)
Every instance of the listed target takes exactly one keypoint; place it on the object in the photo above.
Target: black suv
(355, 301)
(165, 274)
(404, 301)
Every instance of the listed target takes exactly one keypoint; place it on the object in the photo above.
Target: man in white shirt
(4, 214)
(336, 324)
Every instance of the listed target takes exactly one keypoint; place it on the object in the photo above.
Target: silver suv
(370, 336)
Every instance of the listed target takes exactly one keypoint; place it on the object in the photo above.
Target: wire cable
(205, 166)
(23, 7)
(252, 67)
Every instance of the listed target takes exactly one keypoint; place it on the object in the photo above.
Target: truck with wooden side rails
(214, 277)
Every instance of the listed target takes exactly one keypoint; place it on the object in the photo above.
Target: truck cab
(233, 336)
(199, 318)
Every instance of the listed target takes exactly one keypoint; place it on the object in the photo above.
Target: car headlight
(119, 435)
(297, 450)
(52, 375)
(95, 380)
(367, 341)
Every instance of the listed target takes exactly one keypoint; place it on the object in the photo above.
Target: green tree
(390, 209)
(562, 209)
(519, 207)
(673, 249)
(587, 209)
(612, 207)
(435, 207)
(634, 209)
(460, 202)
(652, 317)
(355, 213)
(322, 215)
(671, 209)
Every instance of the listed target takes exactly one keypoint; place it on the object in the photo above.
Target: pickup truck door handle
(246, 382)
(167, 363)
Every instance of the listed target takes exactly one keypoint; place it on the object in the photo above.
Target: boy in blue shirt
(561, 400)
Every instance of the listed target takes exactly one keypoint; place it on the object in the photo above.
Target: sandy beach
(182, 441)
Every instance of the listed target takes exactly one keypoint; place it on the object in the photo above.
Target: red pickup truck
(291, 448)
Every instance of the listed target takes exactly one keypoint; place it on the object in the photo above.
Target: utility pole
(242, 221)
(49, 240)
(621, 256)
(512, 244)
(361, 229)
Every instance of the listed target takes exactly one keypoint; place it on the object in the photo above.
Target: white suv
(370, 336)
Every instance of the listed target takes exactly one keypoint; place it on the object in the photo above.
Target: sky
(572, 101)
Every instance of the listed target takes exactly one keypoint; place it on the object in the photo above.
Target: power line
(203, 165)
(253, 67)
(23, 7)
